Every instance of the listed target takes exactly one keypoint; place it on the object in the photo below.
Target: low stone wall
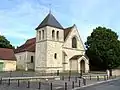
(116, 72)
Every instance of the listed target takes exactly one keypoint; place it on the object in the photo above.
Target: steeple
(50, 20)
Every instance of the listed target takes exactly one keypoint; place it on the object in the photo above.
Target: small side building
(7, 60)
(25, 55)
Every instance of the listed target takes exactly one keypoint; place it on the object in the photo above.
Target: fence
(65, 82)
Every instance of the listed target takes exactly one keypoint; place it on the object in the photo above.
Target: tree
(103, 48)
(4, 43)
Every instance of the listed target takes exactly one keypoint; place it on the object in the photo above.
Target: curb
(97, 83)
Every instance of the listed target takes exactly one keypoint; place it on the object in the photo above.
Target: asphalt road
(113, 85)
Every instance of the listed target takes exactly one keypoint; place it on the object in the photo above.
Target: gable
(68, 40)
(67, 31)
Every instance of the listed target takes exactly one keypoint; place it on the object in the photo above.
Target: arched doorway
(82, 66)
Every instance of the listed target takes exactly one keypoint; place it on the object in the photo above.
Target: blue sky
(19, 18)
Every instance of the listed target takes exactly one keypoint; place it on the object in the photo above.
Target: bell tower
(49, 41)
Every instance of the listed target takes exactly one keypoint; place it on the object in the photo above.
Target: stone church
(54, 48)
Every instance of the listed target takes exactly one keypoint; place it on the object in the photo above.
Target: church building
(54, 48)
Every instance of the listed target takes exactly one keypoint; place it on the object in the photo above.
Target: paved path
(113, 85)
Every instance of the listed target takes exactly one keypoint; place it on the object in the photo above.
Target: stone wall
(116, 72)
(24, 60)
(30, 65)
(21, 60)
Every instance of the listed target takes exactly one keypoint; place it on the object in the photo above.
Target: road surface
(113, 85)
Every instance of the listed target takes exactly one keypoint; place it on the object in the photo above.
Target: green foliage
(103, 48)
(4, 43)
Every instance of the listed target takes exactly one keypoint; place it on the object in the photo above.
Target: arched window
(53, 34)
(55, 55)
(42, 34)
(57, 35)
(39, 35)
(74, 42)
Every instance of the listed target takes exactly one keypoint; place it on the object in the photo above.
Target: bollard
(58, 73)
(69, 78)
(50, 86)
(75, 79)
(18, 83)
(9, 81)
(73, 84)
(69, 72)
(65, 86)
(81, 73)
(115, 76)
(28, 86)
(79, 83)
(39, 85)
(1, 81)
(107, 77)
(97, 78)
(104, 77)
(90, 77)
(84, 81)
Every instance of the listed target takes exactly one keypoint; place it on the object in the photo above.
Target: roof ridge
(6, 48)
(67, 31)
(70, 27)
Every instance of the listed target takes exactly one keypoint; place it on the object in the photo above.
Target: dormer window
(53, 34)
(57, 35)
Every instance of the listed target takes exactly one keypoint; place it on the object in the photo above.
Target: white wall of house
(8, 65)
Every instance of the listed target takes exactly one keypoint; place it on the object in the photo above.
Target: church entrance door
(82, 66)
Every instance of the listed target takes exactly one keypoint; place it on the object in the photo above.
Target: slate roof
(75, 57)
(29, 45)
(67, 31)
(7, 54)
(50, 20)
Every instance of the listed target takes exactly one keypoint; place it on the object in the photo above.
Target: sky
(19, 18)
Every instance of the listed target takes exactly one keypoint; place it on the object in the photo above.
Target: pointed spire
(50, 20)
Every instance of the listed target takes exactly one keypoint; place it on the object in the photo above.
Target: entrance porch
(79, 63)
